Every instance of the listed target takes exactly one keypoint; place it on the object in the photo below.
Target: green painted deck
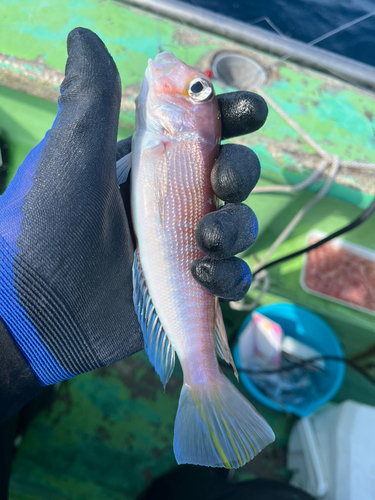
(338, 116)
(110, 432)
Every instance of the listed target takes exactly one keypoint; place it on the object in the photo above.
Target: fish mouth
(162, 65)
(163, 59)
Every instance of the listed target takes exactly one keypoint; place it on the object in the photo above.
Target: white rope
(295, 187)
(358, 164)
(241, 305)
(327, 160)
(293, 124)
(297, 218)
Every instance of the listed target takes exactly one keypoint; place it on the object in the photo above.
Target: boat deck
(109, 433)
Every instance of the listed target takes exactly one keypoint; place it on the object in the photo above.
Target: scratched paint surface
(336, 116)
(30, 30)
(109, 433)
(106, 436)
(332, 114)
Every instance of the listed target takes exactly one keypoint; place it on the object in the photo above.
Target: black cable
(305, 362)
(364, 216)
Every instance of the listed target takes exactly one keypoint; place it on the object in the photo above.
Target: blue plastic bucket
(312, 330)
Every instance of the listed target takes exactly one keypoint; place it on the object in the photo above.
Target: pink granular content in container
(342, 272)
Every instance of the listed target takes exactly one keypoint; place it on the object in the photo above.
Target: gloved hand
(234, 228)
(66, 244)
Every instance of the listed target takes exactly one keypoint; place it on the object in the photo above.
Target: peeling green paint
(335, 118)
(339, 119)
(29, 30)
(100, 438)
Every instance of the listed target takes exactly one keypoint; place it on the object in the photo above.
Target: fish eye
(200, 90)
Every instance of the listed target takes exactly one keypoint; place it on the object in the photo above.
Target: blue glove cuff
(43, 365)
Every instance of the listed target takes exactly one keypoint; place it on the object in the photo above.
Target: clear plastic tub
(310, 329)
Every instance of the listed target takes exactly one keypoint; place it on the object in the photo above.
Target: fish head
(177, 99)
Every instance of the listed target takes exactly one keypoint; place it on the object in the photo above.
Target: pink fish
(176, 141)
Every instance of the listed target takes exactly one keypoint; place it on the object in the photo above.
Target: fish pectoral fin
(157, 345)
(221, 339)
(123, 166)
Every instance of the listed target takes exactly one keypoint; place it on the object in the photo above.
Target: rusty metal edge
(351, 71)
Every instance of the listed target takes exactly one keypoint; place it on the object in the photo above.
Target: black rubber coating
(18, 384)
(242, 113)
(123, 147)
(227, 232)
(228, 279)
(235, 173)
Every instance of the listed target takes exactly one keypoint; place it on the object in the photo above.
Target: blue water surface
(306, 20)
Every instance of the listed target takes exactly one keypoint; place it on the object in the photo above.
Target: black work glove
(66, 245)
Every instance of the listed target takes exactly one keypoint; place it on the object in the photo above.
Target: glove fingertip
(242, 113)
(229, 279)
(90, 66)
(235, 173)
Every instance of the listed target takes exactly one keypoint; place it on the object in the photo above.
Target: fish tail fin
(217, 427)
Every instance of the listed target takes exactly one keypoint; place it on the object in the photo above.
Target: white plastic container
(356, 250)
(332, 452)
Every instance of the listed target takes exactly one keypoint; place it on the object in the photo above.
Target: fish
(174, 147)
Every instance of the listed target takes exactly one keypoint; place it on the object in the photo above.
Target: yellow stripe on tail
(217, 427)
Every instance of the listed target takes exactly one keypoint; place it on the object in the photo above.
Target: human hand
(65, 244)
(65, 232)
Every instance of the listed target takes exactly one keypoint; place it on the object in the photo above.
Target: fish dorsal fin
(157, 345)
(123, 166)
(221, 339)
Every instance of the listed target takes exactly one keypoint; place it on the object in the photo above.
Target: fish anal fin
(221, 339)
(157, 345)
